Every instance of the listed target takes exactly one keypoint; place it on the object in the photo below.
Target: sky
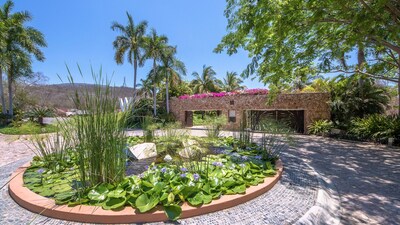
(78, 32)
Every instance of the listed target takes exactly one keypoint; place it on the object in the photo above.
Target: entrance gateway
(298, 110)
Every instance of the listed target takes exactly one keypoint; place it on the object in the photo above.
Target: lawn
(28, 128)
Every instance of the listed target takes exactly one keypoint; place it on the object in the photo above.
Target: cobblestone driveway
(366, 176)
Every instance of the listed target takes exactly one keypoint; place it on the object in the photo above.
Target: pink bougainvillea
(256, 91)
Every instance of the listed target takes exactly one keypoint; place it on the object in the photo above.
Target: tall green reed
(99, 134)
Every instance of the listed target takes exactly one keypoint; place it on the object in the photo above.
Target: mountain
(59, 95)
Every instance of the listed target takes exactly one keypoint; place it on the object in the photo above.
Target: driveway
(366, 176)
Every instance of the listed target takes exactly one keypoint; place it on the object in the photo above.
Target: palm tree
(155, 47)
(19, 44)
(232, 82)
(206, 82)
(171, 69)
(130, 42)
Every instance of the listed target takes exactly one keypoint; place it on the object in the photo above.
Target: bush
(376, 127)
(38, 113)
(320, 127)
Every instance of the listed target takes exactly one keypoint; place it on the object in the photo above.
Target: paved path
(366, 176)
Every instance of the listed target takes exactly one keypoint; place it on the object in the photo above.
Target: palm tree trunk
(10, 95)
(154, 89)
(3, 101)
(134, 82)
(167, 93)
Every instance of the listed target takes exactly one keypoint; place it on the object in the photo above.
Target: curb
(327, 206)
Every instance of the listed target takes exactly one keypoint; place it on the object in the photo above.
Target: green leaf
(64, 197)
(114, 203)
(241, 189)
(61, 188)
(117, 193)
(207, 199)
(144, 203)
(173, 212)
(171, 198)
(196, 200)
(47, 193)
(99, 193)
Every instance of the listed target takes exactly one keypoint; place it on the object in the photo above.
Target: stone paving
(366, 176)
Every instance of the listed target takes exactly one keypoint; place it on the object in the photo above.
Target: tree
(155, 47)
(131, 43)
(19, 43)
(232, 82)
(171, 69)
(206, 82)
(351, 37)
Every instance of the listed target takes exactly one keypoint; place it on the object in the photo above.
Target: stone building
(299, 109)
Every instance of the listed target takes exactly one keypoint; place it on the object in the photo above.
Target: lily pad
(144, 203)
(114, 203)
(173, 212)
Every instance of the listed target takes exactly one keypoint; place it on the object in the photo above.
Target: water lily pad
(99, 193)
(117, 193)
(173, 212)
(144, 203)
(114, 203)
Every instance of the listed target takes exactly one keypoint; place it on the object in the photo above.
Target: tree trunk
(134, 82)
(3, 101)
(10, 95)
(154, 89)
(167, 93)
(398, 93)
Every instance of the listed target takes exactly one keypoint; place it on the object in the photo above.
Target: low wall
(315, 106)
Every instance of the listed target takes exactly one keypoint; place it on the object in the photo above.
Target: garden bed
(95, 214)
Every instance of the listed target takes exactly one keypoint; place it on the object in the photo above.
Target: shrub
(214, 126)
(39, 113)
(26, 128)
(376, 127)
(320, 127)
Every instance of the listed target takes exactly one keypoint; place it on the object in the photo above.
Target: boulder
(144, 151)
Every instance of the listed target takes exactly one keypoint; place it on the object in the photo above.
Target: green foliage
(354, 97)
(39, 113)
(232, 82)
(320, 127)
(206, 81)
(214, 125)
(28, 128)
(18, 43)
(162, 184)
(285, 37)
(99, 134)
(51, 148)
(376, 127)
(130, 42)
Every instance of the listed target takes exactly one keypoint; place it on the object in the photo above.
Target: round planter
(94, 214)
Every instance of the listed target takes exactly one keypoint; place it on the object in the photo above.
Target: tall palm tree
(232, 82)
(130, 42)
(19, 44)
(155, 47)
(171, 69)
(204, 82)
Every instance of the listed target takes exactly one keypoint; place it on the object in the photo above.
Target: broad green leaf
(173, 212)
(117, 193)
(114, 203)
(144, 203)
(99, 193)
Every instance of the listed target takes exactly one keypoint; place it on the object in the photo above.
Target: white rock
(144, 150)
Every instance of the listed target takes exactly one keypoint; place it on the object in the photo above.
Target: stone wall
(315, 106)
